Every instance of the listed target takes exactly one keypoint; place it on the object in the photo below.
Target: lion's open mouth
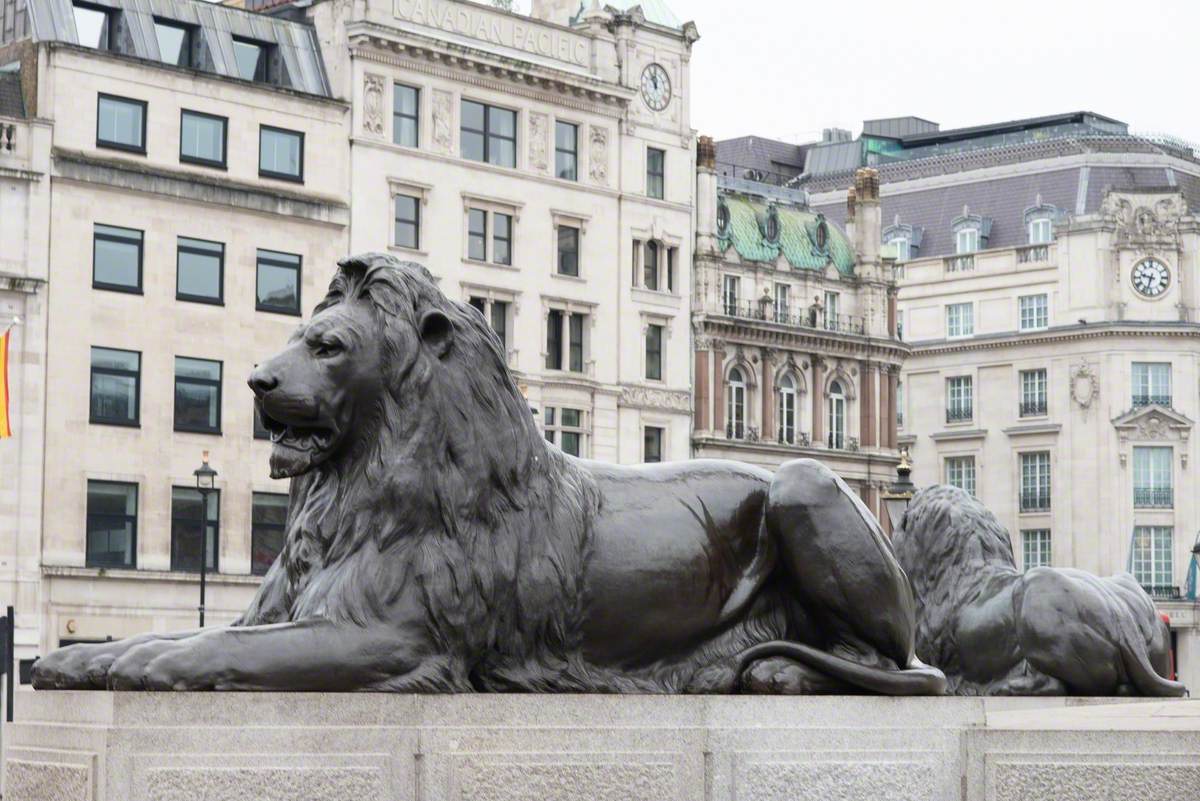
(296, 445)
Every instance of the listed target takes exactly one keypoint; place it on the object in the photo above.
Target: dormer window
(174, 42)
(251, 58)
(771, 226)
(901, 243)
(906, 239)
(1039, 222)
(722, 218)
(94, 26)
(966, 240)
(970, 232)
(822, 234)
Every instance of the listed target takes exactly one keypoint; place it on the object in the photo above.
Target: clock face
(656, 87)
(1151, 277)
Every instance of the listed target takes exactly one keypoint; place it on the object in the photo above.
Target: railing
(1163, 592)
(959, 414)
(1033, 408)
(744, 173)
(1033, 254)
(959, 264)
(1037, 501)
(741, 431)
(8, 137)
(899, 419)
(1147, 400)
(799, 439)
(748, 310)
(1153, 497)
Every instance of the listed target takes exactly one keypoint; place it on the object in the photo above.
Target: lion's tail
(915, 679)
(1143, 675)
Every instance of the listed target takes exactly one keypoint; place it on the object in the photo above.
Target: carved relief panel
(443, 121)
(598, 155)
(539, 134)
(373, 104)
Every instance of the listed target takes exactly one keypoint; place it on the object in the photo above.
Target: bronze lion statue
(436, 541)
(1048, 631)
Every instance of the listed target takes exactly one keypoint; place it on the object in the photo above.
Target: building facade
(796, 350)
(195, 163)
(1049, 296)
(541, 168)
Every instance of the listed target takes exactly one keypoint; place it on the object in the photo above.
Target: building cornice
(804, 339)
(886, 457)
(965, 433)
(122, 174)
(1058, 335)
(1032, 428)
(172, 576)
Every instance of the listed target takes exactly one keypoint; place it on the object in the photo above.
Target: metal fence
(787, 315)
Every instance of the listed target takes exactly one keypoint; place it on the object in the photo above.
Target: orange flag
(5, 420)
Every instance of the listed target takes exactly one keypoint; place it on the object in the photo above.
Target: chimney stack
(864, 197)
(706, 194)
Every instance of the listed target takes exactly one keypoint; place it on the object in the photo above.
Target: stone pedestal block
(69, 746)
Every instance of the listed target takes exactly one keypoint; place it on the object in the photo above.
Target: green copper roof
(655, 11)
(797, 236)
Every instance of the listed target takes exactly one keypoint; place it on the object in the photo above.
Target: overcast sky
(789, 69)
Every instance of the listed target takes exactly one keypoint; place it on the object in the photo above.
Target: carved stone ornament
(443, 121)
(598, 155)
(539, 127)
(1150, 223)
(1085, 385)
(1151, 424)
(373, 103)
(443, 545)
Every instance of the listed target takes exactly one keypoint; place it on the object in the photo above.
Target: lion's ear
(437, 332)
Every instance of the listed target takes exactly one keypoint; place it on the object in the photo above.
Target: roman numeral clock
(656, 87)
(1150, 277)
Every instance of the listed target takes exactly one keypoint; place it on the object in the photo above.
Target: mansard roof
(797, 241)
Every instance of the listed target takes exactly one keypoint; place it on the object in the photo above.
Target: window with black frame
(202, 138)
(115, 395)
(501, 238)
(93, 26)
(277, 285)
(652, 444)
(174, 42)
(200, 271)
(280, 154)
(187, 542)
(406, 105)
(568, 250)
(251, 59)
(564, 340)
(117, 258)
(477, 234)
(654, 343)
(488, 134)
(268, 523)
(408, 222)
(197, 395)
(260, 431)
(566, 151)
(111, 524)
(121, 123)
(656, 161)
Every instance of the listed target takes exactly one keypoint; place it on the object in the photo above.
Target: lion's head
(382, 346)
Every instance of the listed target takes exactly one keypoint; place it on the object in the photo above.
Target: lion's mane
(946, 535)
(453, 493)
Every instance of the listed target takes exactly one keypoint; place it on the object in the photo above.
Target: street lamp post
(897, 496)
(206, 479)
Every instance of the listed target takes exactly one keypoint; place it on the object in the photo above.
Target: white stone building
(541, 168)
(174, 201)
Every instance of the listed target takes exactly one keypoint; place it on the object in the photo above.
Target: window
(831, 311)
(280, 154)
(115, 395)
(477, 234)
(496, 313)
(277, 287)
(501, 238)
(489, 134)
(960, 472)
(654, 342)
(1035, 481)
(650, 268)
(837, 416)
(121, 123)
(786, 391)
(202, 138)
(566, 151)
(656, 161)
(1151, 383)
(406, 105)
(197, 395)
(111, 524)
(251, 59)
(1033, 393)
(116, 258)
(187, 510)
(260, 431)
(652, 444)
(959, 400)
(568, 250)
(1041, 231)
(93, 26)
(902, 248)
(960, 320)
(200, 271)
(967, 240)
(730, 284)
(564, 350)
(672, 256)
(1034, 312)
(408, 222)
(1152, 557)
(564, 427)
(735, 405)
(174, 43)
(1035, 547)
(782, 306)
(268, 523)
(1152, 486)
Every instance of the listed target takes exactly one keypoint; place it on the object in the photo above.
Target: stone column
(702, 397)
(818, 400)
(867, 410)
(718, 386)
(890, 401)
(891, 313)
(768, 396)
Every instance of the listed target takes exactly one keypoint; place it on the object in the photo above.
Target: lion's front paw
(143, 668)
(75, 667)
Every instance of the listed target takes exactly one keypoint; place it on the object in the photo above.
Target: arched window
(787, 409)
(735, 405)
(837, 416)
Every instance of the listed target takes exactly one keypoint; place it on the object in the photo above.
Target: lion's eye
(327, 349)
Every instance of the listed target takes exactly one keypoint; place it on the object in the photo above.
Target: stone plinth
(70, 746)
